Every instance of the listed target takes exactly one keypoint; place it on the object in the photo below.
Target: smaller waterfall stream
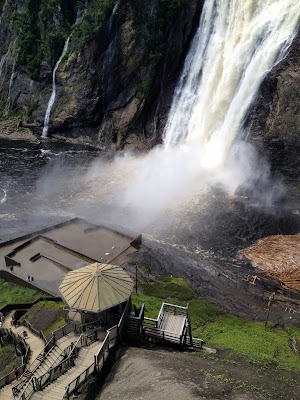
(3, 59)
(11, 81)
(53, 94)
(79, 15)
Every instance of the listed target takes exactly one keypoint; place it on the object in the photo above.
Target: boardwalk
(173, 323)
(56, 390)
(36, 346)
(35, 343)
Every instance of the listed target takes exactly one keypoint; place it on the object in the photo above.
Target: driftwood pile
(277, 256)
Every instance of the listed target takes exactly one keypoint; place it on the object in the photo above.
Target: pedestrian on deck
(28, 278)
(2, 318)
(24, 334)
(32, 280)
(16, 371)
(11, 269)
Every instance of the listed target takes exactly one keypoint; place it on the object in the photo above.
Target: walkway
(36, 346)
(35, 343)
(56, 390)
(173, 323)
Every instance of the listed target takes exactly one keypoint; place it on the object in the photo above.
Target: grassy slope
(259, 344)
(12, 293)
(8, 359)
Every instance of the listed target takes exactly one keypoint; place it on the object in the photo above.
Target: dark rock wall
(274, 118)
(116, 83)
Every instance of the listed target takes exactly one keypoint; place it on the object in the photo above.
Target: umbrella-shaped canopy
(96, 287)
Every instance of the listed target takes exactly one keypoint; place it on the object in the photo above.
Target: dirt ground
(167, 374)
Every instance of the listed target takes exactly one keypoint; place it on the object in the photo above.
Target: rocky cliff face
(274, 118)
(116, 82)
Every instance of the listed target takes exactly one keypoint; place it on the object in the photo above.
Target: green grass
(12, 293)
(259, 344)
(8, 358)
(152, 304)
(169, 287)
(57, 323)
(52, 304)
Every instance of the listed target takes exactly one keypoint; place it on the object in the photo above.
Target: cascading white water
(79, 15)
(53, 94)
(3, 59)
(236, 45)
(11, 81)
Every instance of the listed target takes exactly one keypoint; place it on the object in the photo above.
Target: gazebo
(96, 293)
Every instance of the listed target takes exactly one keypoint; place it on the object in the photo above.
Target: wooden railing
(33, 330)
(28, 390)
(113, 337)
(70, 353)
(23, 386)
(5, 380)
(172, 308)
(25, 357)
(163, 335)
(134, 323)
(150, 322)
(198, 343)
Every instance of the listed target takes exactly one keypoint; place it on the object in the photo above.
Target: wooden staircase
(56, 390)
(39, 367)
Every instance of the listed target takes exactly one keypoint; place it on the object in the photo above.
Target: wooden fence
(69, 355)
(26, 385)
(25, 357)
(134, 322)
(112, 338)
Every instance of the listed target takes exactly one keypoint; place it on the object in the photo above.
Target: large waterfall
(236, 44)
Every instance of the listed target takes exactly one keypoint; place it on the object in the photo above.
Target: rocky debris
(11, 129)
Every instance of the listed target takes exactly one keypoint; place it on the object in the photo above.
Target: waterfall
(236, 45)
(3, 59)
(53, 94)
(79, 15)
(11, 81)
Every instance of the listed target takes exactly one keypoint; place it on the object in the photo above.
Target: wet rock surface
(274, 118)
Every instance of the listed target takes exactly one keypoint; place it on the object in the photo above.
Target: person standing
(16, 371)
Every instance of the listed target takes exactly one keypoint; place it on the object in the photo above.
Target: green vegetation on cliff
(42, 27)
(151, 28)
(257, 343)
(92, 22)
